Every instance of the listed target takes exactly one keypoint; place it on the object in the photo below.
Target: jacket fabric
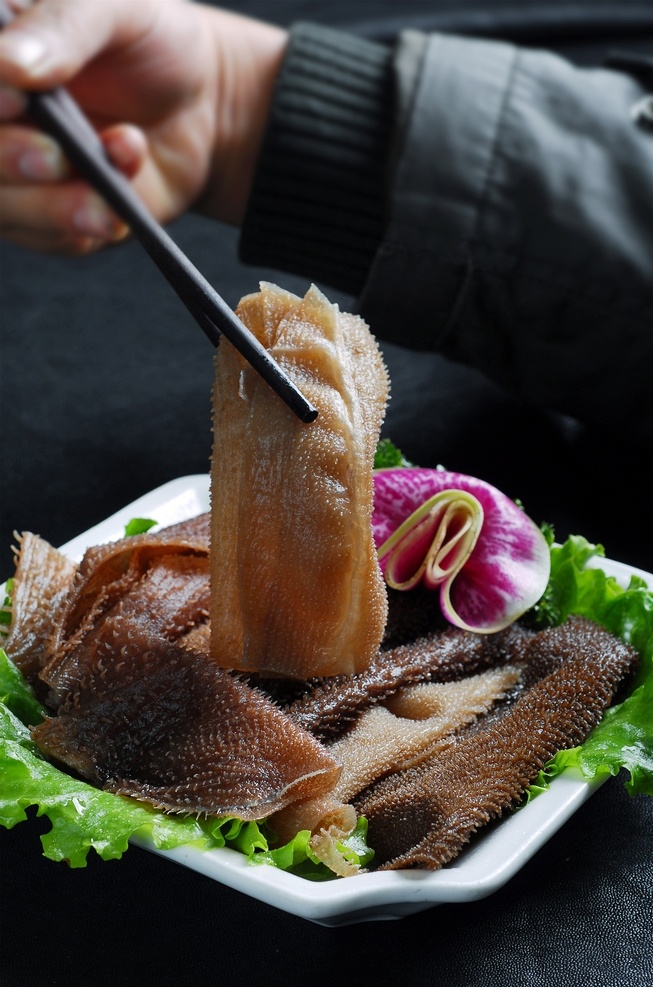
(489, 202)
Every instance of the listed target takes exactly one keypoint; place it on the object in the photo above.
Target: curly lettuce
(85, 818)
(623, 740)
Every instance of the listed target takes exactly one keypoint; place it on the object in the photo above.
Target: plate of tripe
(344, 685)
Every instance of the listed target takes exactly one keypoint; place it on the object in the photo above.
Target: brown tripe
(402, 733)
(143, 715)
(423, 817)
(168, 599)
(441, 657)
(41, 582)
(107, 570)
(411, 615)
(297, 589)
(170, 728)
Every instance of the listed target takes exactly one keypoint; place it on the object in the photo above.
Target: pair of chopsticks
(60, 116)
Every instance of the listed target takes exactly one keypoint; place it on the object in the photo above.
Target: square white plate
(487, 864)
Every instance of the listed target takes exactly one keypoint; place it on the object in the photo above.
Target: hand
(178, 91)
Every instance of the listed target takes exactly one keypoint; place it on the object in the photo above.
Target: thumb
(47, 44)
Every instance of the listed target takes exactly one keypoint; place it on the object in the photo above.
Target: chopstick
(59, 115)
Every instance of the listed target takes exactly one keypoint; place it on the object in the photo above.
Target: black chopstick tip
(309, 415)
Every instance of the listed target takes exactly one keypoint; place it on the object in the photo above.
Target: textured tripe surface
(424, 816)
(139, 712)
(297, 589)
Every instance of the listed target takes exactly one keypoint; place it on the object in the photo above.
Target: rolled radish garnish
(464, 537)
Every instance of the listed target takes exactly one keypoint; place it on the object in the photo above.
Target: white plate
(486, 865)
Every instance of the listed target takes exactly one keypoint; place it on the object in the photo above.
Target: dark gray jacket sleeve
(521, 228)
(517, 223)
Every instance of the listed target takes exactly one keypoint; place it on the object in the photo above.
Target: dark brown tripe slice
(183, 584)
(438, 657)
(106, 571)
(411, 616)
(170, 728)
(424, 816)
(145, 716)
(41, 583)
(403, 731)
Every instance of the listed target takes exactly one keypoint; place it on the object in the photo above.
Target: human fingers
(56, 243)
(48, 43)
(42, 207)
(28, 156)
(126, 146)
(56, 217)
(13, 103)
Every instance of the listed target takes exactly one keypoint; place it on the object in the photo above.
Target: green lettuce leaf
(17, 695)
(138, 526)
(388, 455)
(85, 818)
(82, 817)
(5, 609)
(297, 857)
(623, 740)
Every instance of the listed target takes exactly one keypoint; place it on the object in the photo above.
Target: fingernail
(43, 161)
(87, 245)
(95, 219)
(25, 51)
(120, 232)
(13, 102)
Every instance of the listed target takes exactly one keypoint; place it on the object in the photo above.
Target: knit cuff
(317, 206)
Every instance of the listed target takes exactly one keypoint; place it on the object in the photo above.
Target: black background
(106, 395)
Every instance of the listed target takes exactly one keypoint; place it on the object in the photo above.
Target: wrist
(246, 57)
(318, 201)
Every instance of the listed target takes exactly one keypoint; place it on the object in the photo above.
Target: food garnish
(462, 536)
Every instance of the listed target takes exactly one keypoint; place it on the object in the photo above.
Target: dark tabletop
(105, 396)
